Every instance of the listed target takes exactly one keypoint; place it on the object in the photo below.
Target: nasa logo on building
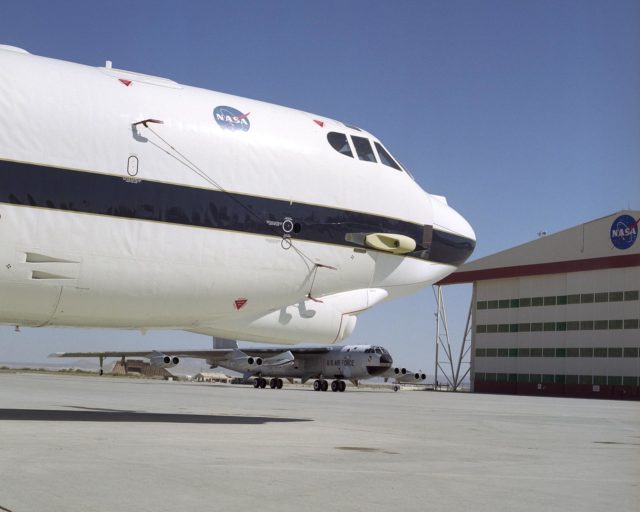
(229, 118)
(624, 232)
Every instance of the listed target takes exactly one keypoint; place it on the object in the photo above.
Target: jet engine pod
(160, 360)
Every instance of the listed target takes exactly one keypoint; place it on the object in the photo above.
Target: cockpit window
(363, 148)
(385, 157)
(340, 143)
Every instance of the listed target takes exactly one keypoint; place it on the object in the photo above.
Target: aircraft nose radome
(450, 220)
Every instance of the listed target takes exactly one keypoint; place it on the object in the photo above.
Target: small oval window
(340, 143)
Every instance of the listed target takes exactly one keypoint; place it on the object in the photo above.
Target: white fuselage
(231, 226)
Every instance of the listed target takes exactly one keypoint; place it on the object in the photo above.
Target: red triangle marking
(125, 82)
(319, 123)
(240, 303)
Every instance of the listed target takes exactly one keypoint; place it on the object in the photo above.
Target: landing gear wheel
(263, 383)
(335, 386)
(342, 386)
(316, 385)
(324, 385)
(256, 383)
(279, 383)
(273, 383)
(396, 388)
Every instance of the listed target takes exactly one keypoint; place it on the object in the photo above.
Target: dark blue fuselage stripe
(100, 194)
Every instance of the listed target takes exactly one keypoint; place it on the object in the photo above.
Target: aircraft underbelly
(92, 270)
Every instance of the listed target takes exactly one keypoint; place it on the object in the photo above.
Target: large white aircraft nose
(447, 219)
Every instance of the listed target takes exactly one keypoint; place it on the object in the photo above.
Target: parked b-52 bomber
(269, 366)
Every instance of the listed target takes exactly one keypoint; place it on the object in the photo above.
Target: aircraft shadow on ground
(123, 416)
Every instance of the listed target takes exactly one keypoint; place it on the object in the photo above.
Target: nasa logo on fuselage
(229, 118)
(624, 232)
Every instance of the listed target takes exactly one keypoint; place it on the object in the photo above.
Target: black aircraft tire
(256, 383)
(316, 385)
(273, 383)
(279, 383)
(335, 386)
(263, 383)
(324, 385)
(342, 386)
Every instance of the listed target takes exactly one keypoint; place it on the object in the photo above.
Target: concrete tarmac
(71, 443)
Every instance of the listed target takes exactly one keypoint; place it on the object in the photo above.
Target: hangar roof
(607, 242)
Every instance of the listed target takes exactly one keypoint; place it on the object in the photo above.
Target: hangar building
(559, 315)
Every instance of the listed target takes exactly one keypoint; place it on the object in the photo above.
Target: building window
(549, 326)
(615, 324)
(586, 325)
(586, 298)
(513, 377)
(548, 352)
(492, 304)
(573, 326)
(503, 352)
(614, 380)
(631, 352)
(524, 327)
(586, 352)
(573, 352)
(482, 304)
(523, 352)
(550, 301)
(503, 304)
(481, 352)
(503, 328)
(629, 381)
(536, 352)
(501, 377)
(492, 328)
(561, 326)
(536, 327)
(631, 323)
(573, 299)
(548, 379)
(616, 296)
(561, 352)
(481, 329)
(602, 297)
(513, 327)
(513, 352)
(490, 377)
(479, 377)
(537, 301)
(561, 300)
(525, 302)
(559, 379)
(535, 378)
(631, 295)
(523, 377)
(515, 303)
(615, 352)
(601, 325)
(491, 352)
(586, 380)
(600, 352)
(600, 380)
(573, 379)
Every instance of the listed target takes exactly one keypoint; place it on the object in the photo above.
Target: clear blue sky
(525, 114)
